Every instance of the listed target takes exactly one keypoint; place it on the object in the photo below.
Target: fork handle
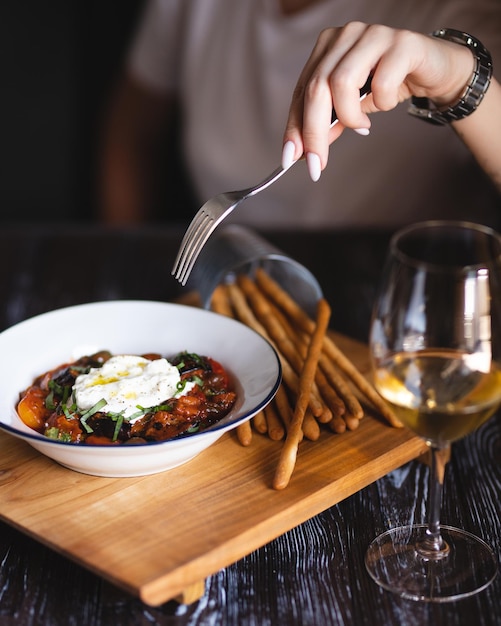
(364, 91)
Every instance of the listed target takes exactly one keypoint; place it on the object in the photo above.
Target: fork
(216, 209)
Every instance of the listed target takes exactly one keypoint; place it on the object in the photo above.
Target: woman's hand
(402, 64)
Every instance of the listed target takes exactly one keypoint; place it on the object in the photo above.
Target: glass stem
(433, 546)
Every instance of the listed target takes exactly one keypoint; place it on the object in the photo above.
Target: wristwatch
(472, 96)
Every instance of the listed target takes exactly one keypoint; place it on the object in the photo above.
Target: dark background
(58, 61)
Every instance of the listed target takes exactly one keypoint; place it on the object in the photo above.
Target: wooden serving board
(159, 536)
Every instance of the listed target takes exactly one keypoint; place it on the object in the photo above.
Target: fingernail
(362, 131)
(288, 154)
(314, 166)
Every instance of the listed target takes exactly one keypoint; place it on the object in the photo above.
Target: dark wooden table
(312, 575)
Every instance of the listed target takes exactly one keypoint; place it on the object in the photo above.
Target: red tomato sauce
(48, 406)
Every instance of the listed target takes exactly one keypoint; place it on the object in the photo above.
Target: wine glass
(436, 354)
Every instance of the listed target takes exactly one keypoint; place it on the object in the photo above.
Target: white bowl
(135, 327)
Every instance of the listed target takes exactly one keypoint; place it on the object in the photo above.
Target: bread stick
(330, 396)
(310, 427)
(220, 302)
(333, 402)
(284, 301)
(337, 425)
(276, 332)
(334, 378)
(330, 392)
(288, 455)
(259, 422)
(244, 433)
(245, 315)
(283, 406)
(303, 321)
(361, 383)
(352, 422)
(276, 428)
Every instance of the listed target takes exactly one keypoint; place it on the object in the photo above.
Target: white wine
(438, 394)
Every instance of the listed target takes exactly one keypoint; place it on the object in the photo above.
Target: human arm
(402, 64)
(481, 132)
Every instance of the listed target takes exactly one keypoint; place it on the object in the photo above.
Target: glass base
(397, 563)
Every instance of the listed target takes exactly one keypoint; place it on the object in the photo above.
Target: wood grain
(314, 574)
(228, 489)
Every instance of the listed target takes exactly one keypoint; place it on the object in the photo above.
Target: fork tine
(192, 245)
(197, 245)
(188, 241)
(214, 211)
(202, 226)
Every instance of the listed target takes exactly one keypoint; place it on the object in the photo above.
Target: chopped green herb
(69, 411)
(119, 420)
(81, 369)
(55, 433)
(49, 400)
(61, 391)
(145, 410)
(90, 412)
(196, 357)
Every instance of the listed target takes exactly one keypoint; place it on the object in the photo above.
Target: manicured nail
(362, 131)
(288, 154)
(314, 166)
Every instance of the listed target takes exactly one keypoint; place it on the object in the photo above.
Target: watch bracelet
(473, 92)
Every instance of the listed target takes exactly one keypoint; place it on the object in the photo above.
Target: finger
(318, 101)
(395, 69)
(294, 127)
(378, 51)
(351, 72)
